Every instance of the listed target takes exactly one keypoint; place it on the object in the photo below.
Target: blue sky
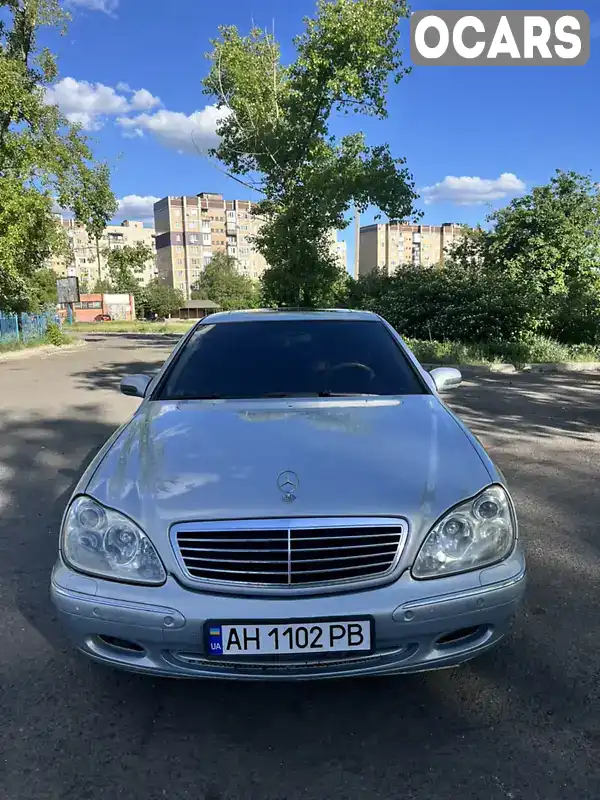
(505, 128)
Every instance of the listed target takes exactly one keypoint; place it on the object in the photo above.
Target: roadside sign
(68, 290)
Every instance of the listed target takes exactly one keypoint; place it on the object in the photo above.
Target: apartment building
(339, 249)
(393, 244)
(83, 259)
(190, 230)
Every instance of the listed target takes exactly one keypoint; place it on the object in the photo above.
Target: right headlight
(475, 534)
(104, 542)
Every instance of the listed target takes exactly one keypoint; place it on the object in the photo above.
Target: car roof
(288, 314)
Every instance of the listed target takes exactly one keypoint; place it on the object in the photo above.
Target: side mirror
(446, 378)
(135, 385)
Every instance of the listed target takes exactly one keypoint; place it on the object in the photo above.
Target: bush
(55, 336)
(449, 304)
(533, 350)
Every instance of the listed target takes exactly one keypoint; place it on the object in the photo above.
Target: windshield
(291, 358)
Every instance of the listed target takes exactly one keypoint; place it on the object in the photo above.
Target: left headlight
(102, 542)
(475, 534)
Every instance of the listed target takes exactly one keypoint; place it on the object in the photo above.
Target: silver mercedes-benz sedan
(292, 499)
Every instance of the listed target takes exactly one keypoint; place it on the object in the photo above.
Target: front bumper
(164, 625)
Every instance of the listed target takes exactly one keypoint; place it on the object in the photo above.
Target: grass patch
(11, 347)
(535, 350)
(55, 336)
(135, 326)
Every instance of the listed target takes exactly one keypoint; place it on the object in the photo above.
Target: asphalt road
(520, 723)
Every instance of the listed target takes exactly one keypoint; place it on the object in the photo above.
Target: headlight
(103, 542)
(475, 534)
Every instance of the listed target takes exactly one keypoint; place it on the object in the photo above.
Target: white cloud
(472, 191)
(86, 103)
(133, 206)
(187, 134)
(133, 133)
(106, 6)
(143, 100)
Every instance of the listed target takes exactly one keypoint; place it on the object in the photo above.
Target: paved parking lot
(521, 723)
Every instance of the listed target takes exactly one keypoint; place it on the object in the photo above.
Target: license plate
(232, 639)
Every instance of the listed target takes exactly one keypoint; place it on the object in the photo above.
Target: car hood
(206, 460)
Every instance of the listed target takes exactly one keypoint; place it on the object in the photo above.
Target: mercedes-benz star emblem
(288, 482)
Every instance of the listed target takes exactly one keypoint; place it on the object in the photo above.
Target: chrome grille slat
(338, 569)
(206, 539)
(290, 553)
(242, 560)
(328, 559)
(346, 547)
(238, 550)
(242, 572)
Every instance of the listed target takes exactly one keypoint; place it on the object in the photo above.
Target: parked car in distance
(292, 499)
(102, 318)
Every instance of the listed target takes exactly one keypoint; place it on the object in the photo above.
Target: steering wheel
(353, 365)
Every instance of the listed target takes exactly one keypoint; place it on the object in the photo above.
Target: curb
(43, 350)
(473, 370)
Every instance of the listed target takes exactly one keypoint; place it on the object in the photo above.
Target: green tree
(43, 289)
(222, 283)
(43, 158)
(469, 251)
(160, 299)
(28, 235)
(95, 205)
(103, 286)
(551, 235)
(275, 137)
(549, 242)
(125, 267)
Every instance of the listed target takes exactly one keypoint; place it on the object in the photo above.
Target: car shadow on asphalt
(515, 723)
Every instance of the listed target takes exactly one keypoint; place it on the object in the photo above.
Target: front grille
(262, 664)
(290, 552)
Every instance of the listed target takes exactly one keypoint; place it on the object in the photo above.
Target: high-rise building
(342, 253)
(190, 230)
(82, 261)
(338, 248)
(393, 244)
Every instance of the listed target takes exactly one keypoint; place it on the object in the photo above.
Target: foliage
(55, 335)
(160, 299)
(125, 268)
(102, 286)
(447, 303)
(275, 137)
(28, 234)
(534, 350)
(535, 272)
(551, 236)
(43, 157)
(43, 293)
(223, 284)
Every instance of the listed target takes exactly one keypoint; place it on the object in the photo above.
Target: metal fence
(25, 327)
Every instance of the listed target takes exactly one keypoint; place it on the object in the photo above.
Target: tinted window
(290, 358)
